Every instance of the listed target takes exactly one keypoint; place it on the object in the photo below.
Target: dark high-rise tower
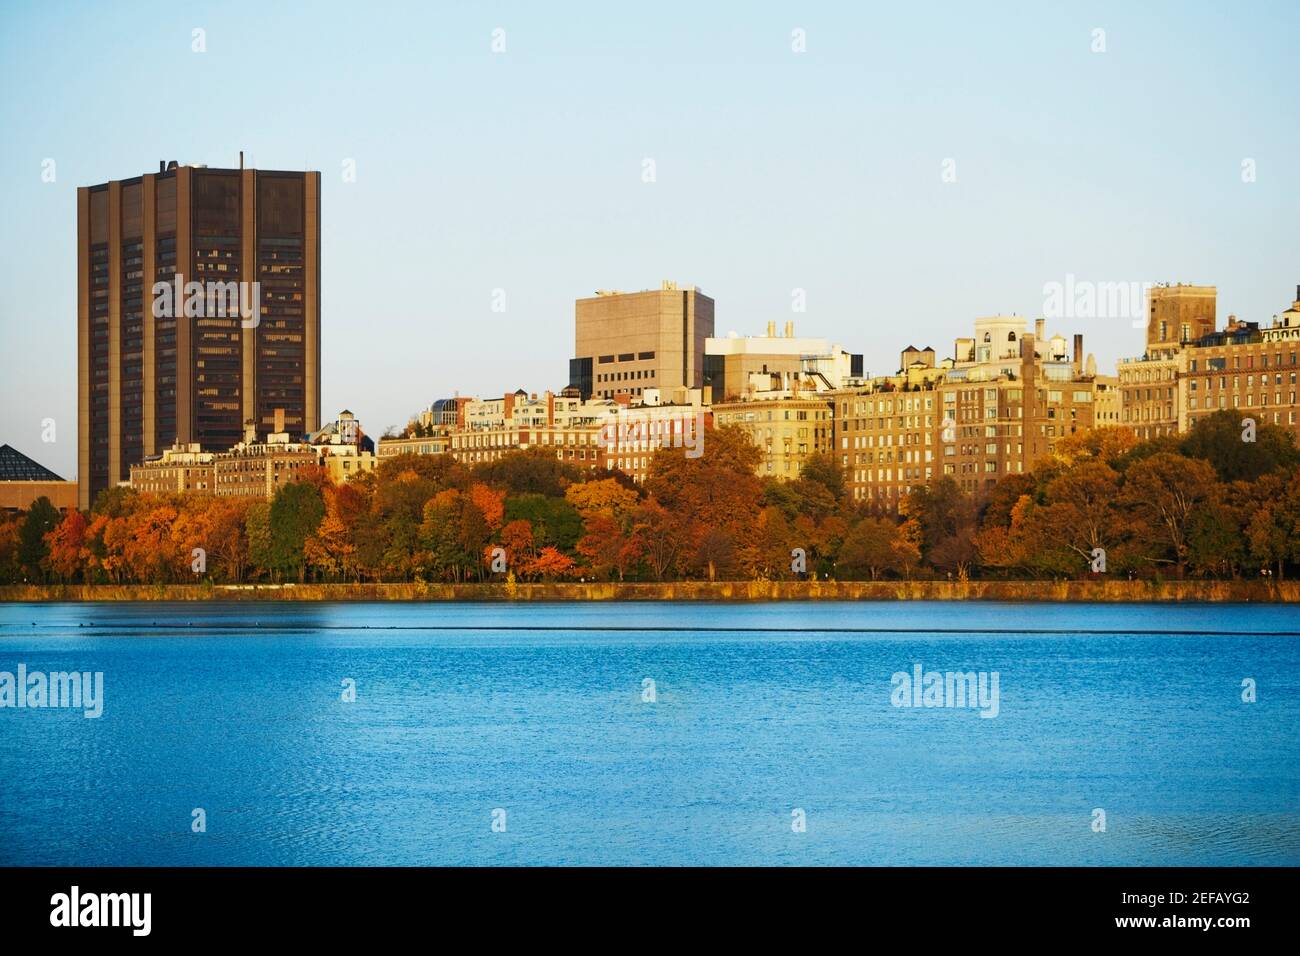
(151, 371)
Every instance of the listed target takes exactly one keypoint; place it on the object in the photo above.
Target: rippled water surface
(759, 710)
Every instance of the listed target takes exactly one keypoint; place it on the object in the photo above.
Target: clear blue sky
(775, 170)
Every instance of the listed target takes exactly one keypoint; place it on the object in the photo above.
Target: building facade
(178, 470)
(995, 408)
(737, 367)
(1246, 367)
(198, 308)
(626, 342)
(786, 430)
(23, 481)
(1192, 369)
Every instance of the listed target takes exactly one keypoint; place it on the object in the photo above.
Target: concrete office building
(626, 342)
(162, 361)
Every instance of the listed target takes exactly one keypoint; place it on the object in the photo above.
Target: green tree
(555, 521)
(824, 468)
(33, 550)
(533, 470)
(1218, 439)
(296, 512)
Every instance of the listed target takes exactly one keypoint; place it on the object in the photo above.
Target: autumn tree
(1162, 493)
(1080, 514)
(662, 535)
(715, 494)
(874, 547)
(940, 520)
(550, 564)
(603, 496)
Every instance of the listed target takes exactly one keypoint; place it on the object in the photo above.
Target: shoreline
(1116, 592)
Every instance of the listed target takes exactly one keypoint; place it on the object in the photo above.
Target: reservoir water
(672, 734)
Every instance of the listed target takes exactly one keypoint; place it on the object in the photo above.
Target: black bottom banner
(236, 904)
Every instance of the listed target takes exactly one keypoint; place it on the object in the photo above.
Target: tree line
(1205, 504)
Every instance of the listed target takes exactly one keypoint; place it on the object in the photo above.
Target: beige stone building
(626, 342)
(258, 469)
(345, 450)
(435, 444)
(179, 469)
(995, 408)
(1191, 369)
(1248, 368)
(787, 430)
(673, 419)
(519, 420)
(1150, 393)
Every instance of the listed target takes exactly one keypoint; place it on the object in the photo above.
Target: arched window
(1011, 336)
(988, 337)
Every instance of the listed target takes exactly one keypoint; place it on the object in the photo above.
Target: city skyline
(819, 171)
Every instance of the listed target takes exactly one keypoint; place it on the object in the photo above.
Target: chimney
(771, 329)
(250, 431)
(1027, 348)
(241, 159)
(162, 165)
(1040, 330)
(279, 420)
(1078, 353)
(789, 328)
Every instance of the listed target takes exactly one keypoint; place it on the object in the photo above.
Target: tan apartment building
(519, 420)
(599, 433)
(1248, 368)
(1191, 369)
(786, 430)
(258, 469)
(674, 419)
(179, 469)
(1178, 315)
(1149, 393)
(435, 444)
(1107, 402)
(995, 408)
(345, 450)
(626, 342)
(167, 264)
